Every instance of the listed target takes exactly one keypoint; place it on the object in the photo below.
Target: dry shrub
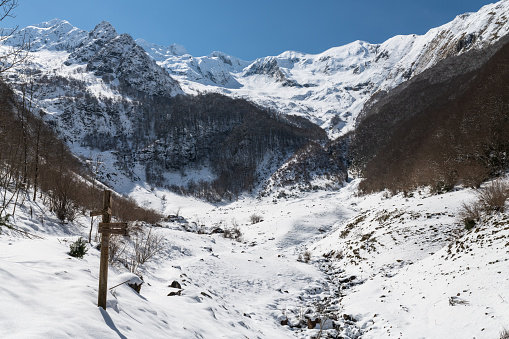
(305, 256)
(255, 218)
(126, 209)
(62, 201)
(234, 232)
(145, 246)
(490, 199)
(493, 196)
(504, 334)
(470, 214)
(116, 249)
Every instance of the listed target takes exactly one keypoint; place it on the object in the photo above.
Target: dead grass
(493, 196)
(504, 334)
(490, 199)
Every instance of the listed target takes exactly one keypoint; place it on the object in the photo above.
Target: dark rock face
(123, 59)
(266, 67)
(118, 57)
(466, 42)
(96, 40)
(175, 284)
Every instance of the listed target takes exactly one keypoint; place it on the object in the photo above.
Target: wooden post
(106, 228)
(105, 242)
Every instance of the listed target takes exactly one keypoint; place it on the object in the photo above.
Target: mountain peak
(55, 34)
(104, 31)
(161, 53)
(122, 59)
(52, 23)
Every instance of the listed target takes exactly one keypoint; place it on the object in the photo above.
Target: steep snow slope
(406, 268)
(216, 69)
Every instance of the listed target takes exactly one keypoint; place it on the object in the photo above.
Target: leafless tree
(14, 55)
(145, 246)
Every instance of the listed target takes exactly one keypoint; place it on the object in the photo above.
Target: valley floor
(380, 267)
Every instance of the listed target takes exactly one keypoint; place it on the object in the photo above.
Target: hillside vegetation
(36, 165)
(447, 126)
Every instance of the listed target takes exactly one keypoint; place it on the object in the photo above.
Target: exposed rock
(313, 322)
(96, 40)
(136, 287)
(206, 295)
(175, 293)
(175, 284)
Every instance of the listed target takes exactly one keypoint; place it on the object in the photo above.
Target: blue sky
(251, 29)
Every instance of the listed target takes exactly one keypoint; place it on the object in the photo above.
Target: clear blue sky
(252, 29)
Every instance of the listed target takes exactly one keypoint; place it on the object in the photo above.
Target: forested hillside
(447, 126)
(36, 165)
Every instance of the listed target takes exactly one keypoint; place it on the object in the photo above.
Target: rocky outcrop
(96, 40)
(122, 59)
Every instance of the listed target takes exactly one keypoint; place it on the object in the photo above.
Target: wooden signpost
(106, 227)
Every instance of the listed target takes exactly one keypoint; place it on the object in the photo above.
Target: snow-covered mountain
(95, 86)
(332, 87)
(216, 69)
(107, 95)
(54, 35)
(329, 88)
(119, 58)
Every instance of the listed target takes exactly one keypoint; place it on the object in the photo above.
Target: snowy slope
(54, 35)
(406, 268)
(418, 274)
(216, 69)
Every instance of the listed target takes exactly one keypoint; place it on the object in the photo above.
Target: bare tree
(14, 55)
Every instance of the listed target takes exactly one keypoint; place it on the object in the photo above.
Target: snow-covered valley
(379, 267)
(272, 234)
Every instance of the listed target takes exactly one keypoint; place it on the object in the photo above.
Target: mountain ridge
(329, 88)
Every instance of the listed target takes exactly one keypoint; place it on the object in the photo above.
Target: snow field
(417, 275)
